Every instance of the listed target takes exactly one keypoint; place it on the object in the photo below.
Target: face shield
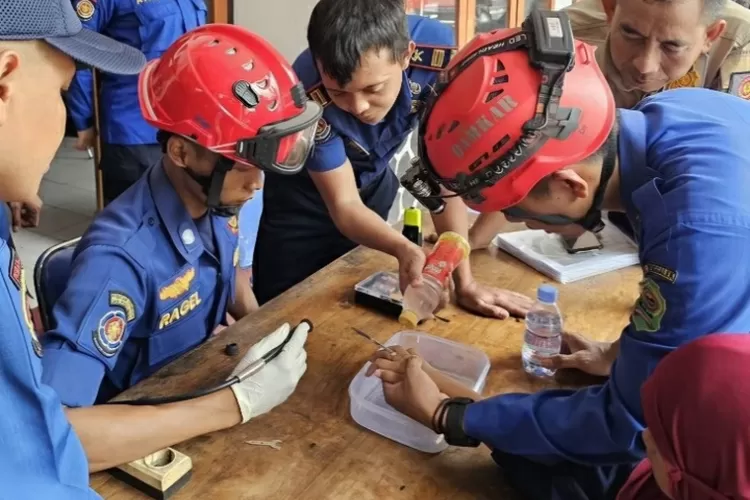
(283, 147)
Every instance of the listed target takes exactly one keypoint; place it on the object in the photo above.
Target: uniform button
(188, 237)
(151, 221)
(231, 349)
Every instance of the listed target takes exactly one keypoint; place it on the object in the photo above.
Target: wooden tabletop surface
(325, 454)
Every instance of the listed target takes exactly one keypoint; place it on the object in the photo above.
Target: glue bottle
(420, 302)
(413, 225)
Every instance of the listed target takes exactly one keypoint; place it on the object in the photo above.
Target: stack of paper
(545, 253)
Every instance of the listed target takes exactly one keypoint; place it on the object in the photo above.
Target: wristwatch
(449, 421)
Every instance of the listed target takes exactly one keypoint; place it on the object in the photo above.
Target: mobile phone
(587, 242)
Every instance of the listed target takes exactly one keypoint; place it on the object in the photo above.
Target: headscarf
(697, 408)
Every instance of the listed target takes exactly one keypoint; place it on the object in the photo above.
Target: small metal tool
(363, 334)
(275, 444)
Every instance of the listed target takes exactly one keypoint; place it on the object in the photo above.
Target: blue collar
(175, 218)
(633, 164)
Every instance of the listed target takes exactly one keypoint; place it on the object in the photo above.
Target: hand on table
(588, 356)
(276, 381)
(406, 385)
(25, 214)
(493, 302)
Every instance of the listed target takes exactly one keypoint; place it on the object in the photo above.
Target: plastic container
(420, 302)
(367, 403)
(380, 291)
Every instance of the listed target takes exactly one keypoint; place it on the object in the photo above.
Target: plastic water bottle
(543, 336)
(421, 302)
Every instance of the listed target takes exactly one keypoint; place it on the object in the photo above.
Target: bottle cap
(413, 217)
(408, 318)
(547, 294)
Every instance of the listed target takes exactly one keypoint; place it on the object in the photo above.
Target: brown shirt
(726, 67)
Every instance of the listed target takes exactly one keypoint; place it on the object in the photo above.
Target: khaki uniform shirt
(726, 67)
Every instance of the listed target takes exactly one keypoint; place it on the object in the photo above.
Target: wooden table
(325, 454)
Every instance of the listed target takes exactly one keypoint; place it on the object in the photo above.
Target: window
(442, 10)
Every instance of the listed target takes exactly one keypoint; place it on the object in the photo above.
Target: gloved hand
(276, 381)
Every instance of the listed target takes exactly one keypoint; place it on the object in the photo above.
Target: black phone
(587, 242)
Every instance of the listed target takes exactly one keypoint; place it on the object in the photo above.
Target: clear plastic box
(367, 403)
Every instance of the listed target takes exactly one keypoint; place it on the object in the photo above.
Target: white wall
(281, 22)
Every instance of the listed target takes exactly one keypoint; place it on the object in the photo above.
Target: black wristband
(453, 429)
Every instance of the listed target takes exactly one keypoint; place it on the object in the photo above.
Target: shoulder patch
(179, 286)
(108, 336)
(85, 9)
(233, 225)
(15, 271)
(739, 85)
(689, 79)
(322, 130)
(650, 307)
(434, 58)
(119, 299)
(236, 257)
(318, 94)
(660, 272)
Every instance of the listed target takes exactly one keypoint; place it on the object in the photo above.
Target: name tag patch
(183, 309)
(739, 85)
(662, 272)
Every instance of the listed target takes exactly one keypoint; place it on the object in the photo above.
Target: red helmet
(231, 92)
(512, 108)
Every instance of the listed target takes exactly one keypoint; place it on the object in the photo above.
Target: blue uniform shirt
(370, 147)
(41, 455)
(249, 222)
(685, 170)
(143, 291)
(148, 25)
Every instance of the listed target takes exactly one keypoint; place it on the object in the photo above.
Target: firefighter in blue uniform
(371, 66)
(566, 155)
(366, 119)
(128, 142)
(42, 457)
(155, 273)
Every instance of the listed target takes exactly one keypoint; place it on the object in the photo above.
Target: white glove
(276, 381)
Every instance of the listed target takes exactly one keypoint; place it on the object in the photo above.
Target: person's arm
(684, 295)
(80, 95)
(116, 434)
(102, 304)
(333, 175)
(244, 298)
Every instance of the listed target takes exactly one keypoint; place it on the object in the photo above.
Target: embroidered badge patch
(108, 336)
(119, 299)
(322, 131)
(319, 95)
(650, 307)
(660, 272)
(233, 225)
(85, 9)
(739, 85)
(25, 310)
(428, 57)
(179, 286)
(415, 88)
(416, 106)
(15, 272)
(689, 79)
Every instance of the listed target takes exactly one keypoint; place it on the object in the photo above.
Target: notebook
(545, 253)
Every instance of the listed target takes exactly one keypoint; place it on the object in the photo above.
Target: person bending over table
(155, 273)
(646, 47)
(371, 67)
(561, 162)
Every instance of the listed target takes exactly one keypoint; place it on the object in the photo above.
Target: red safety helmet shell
(189, 90)
(484, 108)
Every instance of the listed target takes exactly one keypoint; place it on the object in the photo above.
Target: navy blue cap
(56, 22)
